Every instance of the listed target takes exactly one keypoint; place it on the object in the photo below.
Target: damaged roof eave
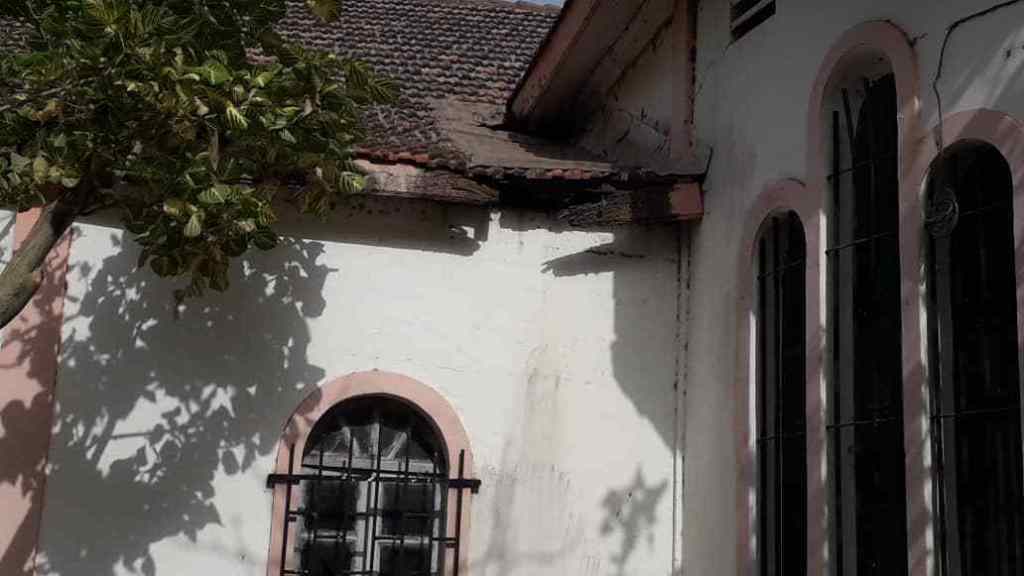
(587, 51)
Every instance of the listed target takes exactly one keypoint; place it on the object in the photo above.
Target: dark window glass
(866, 429)
(375, 492)
(781, 369)
(974, 346)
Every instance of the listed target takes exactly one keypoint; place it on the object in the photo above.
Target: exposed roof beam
(585, 33)
(680, 203)
(652, 17)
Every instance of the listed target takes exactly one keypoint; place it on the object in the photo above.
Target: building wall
(556, 348)
(752, 99)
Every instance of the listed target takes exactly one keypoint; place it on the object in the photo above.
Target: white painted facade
(752, 101)
(594, 371)
(556, 348)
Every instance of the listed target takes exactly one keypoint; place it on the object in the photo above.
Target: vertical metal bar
(762, 399)
(848, 113)
(366, 527)
(780, 320)
(401, 504)
(869, 128)
(458, 511)
(946, 400)
(434, 535)
(314, 512)
(355, 505)
(376, 492)
(287, 507)
(836, 330)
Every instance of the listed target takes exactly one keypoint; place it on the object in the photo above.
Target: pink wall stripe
(28, 373)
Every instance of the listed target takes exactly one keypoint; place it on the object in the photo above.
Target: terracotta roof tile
(470, 50)
(13, 34)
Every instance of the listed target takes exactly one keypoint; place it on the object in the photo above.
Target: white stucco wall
(752, 100)
(556, 348)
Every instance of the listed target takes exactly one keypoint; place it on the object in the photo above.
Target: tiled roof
(455, 63)
(12, 34)
(470, 50)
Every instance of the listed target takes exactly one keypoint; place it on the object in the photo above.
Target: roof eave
(586, 52)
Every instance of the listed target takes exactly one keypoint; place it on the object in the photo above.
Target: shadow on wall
(632, 510)
(24, 419)
(644, 357)
(113, 504)
(145, 420)
(644, 351)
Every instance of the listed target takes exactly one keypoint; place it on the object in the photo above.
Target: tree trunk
(24, 274)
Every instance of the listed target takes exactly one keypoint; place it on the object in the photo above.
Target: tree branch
(23, 275)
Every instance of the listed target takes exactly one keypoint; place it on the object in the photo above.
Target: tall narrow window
(866, 428)
(976, 411)
(781, 446)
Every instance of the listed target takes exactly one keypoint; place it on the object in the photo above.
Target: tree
(192, 119)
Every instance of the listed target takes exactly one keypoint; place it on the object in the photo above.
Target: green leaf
(326, 10)
(261, 80)
(215, 195)
(264, 239)
(174, 207)
(19, 162)
(287, 136)
(40, 169)
(235, 118)
(216, 73)
(215, 149)
(194, 227)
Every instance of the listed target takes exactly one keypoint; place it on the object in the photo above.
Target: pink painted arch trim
(374, 383)
(885, 39)
(778, 197)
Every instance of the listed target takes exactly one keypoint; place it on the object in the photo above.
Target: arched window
(975, 382)
(781, 369)
(370, 494)
(866, 419)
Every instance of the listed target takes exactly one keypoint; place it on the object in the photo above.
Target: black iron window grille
(973, 343)
(781, 377)
(371, 496)
(865, 431)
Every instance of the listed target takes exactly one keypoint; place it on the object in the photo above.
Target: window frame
(770, 327)
(943, 345)
(433, 407)
(864, 208)
(779, 196)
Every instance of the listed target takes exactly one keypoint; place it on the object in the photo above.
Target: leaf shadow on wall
(151, 410)
(24, 421)
(644, 263)
(632, 510)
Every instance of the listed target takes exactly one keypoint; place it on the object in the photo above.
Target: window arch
(866, 384)
(373, 475)
(374, 497)
(973, 345)
(780, 380)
